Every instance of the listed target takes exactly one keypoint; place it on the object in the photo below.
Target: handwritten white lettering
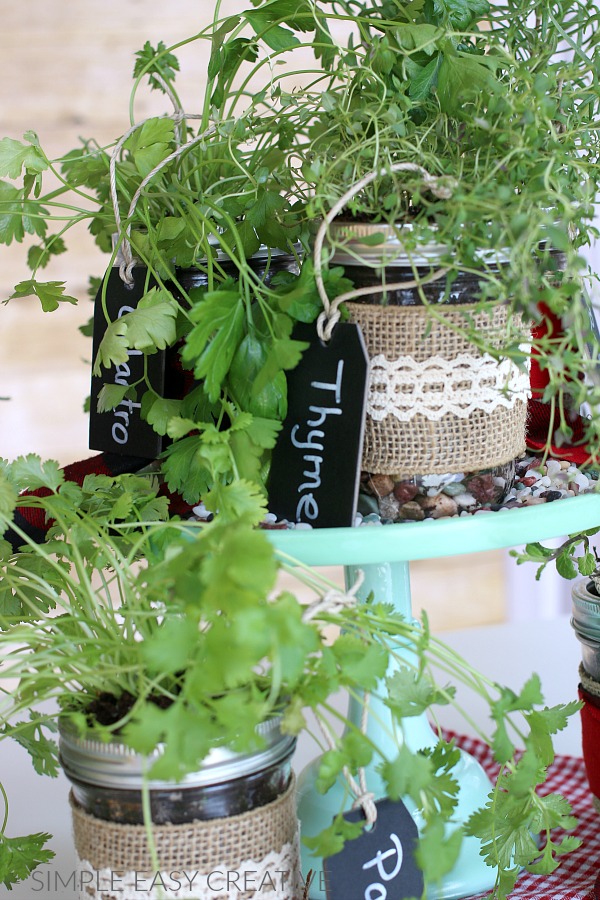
(377, 891)
(121, 424)
(311, 438)
(335, 386)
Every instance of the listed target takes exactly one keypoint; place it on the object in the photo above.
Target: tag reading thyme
(315, 468)
(381, 862)
(122, 430)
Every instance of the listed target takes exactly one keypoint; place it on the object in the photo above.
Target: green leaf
(30, 473)
(424, 79)
(266, 217)
(171, 647)
(19, 216)
(411, 693)
(50, 293)
(159, 65)
(30, 736)
(111, 395)
(16, 157)
(437, 852)
(268, 401)
(239, 500)
(461, 77)
(159, 411)
(587, 563)
(461, 14)
(275, 36)
(408, 775)
(149, 327)
(212, 343)
(284, 353)
(297, 295)
(332, 839)
(361, 664)
(151, 143)
(185, 468)
(565, 565)
(19, 856)
(8, 498)
(39, 257)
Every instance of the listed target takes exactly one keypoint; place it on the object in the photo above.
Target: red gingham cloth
(576, 875)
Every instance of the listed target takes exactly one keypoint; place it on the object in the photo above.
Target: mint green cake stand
(383, 553)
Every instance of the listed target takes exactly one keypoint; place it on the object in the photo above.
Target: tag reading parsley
(316, 463)
(381, 862)
(122, 430)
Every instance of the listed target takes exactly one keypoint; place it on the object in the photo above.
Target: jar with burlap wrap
(439, 411)
(228, 830)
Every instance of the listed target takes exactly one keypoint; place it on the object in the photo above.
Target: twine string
(332, 603)
(128, 260)
(363, 797)
(330, 316)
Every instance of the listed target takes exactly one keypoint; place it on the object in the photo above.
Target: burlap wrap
(215, 845)
(450, 444)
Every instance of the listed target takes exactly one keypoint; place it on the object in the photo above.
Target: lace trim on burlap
(404, 387)
(265, 879)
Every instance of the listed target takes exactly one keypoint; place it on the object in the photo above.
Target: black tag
(122, 430)
(381, 862)
(316, 463)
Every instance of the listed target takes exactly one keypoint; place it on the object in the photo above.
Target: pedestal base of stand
(470, 875)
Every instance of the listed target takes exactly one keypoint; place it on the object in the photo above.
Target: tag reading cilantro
(381, 862)
(316, 463)
(121, 429)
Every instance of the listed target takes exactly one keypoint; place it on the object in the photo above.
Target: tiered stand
(383, 554)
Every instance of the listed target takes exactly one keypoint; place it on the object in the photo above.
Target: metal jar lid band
(112, 764)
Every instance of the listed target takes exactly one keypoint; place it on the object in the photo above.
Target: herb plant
(500, 104)
(113, 600)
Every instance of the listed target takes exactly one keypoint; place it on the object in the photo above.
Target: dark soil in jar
(180, 804)
(107, 709)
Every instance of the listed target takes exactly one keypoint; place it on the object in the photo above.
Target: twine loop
(128, 261)
(334, 601)
(330, 316)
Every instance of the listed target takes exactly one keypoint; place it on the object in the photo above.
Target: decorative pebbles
(439, 496)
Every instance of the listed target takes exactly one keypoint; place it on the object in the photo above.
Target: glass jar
(586, 625)
(231, 824)
(445, 423)
(107, 779)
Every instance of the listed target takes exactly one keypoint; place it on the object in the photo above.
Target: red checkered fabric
(577, 873)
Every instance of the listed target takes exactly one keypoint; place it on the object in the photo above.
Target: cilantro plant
(121, 600)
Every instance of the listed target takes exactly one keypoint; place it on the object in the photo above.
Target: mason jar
(232, 820)
(445, 422)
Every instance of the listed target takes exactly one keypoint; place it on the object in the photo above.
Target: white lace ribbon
(404, 387)
(276, 877)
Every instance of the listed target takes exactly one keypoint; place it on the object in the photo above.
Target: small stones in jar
(381, 485)
(439, 507)
(404, 491)
(482, 487)
(412, 511)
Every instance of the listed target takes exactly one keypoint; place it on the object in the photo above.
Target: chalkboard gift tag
(122, 430)
(381, 862)
(315, 469)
